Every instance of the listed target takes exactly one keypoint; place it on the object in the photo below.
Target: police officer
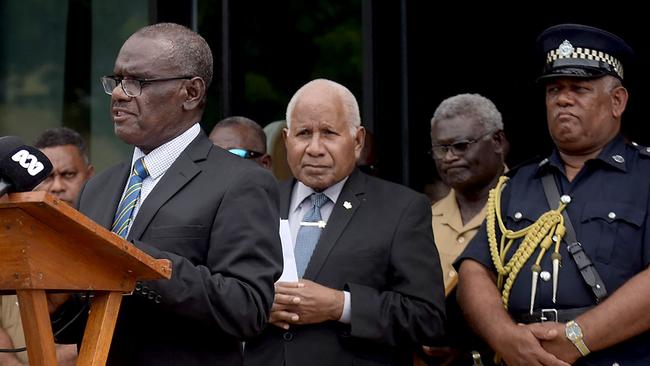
(565, 247)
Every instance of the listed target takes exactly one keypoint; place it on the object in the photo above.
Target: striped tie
(125, 209)
(308, 235)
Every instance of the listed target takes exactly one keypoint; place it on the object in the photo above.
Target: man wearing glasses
(181, 198)
(243, 137)
(468, 147)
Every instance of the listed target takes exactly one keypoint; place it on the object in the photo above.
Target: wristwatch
(574, 333)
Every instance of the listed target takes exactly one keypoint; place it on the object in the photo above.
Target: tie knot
(318, 199)
(140, 169)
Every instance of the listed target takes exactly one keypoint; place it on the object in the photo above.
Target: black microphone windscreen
(9, 144)
(21, 165)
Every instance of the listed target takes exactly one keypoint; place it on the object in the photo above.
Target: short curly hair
(190, 50)
(61, 136)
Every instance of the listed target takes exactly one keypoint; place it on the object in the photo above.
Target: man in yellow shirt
(468, 147)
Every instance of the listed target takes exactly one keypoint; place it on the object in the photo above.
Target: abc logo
(28, 161)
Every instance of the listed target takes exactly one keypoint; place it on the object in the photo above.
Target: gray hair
(189, 49)
(349, 102)
(474, 106)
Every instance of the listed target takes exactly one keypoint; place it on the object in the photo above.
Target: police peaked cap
(580, 51)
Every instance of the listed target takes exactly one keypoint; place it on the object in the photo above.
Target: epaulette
(537, 160)
(643, 150)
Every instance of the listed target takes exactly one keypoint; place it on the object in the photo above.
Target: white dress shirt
(158, 161)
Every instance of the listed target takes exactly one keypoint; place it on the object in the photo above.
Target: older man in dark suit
(211, 213)
(371, 286)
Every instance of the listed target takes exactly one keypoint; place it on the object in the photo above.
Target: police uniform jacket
(610, 197)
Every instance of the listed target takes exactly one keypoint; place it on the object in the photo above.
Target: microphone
(22, 167)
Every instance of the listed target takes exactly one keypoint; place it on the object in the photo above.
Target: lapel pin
(347, 205)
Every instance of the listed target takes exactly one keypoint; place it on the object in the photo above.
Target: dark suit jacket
(215, 217)
(381, 249)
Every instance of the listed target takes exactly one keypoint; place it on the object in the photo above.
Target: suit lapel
(176, 177)
(338, 221)
(286, 187)
(112, 194)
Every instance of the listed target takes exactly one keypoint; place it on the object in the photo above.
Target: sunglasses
(246, 154)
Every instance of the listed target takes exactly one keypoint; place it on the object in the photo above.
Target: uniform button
(545, 275)
(566, 199)
(612, 215)
(647, 149)
(151, 295)
(518, 215)
(619, 159)
(452, 273)
(145, 290)
(461, 239)
(345, 334)
(287, 336)
(138, 286)
(158, 299)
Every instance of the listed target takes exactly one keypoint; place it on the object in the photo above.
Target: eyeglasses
(457, 148)
(132, 87)
(246, 154)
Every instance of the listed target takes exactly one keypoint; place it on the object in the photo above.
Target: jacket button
(138, 286)
(151, 295)
(158, 299)
(287, 336)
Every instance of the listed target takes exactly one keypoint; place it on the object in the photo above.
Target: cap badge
(565, 49)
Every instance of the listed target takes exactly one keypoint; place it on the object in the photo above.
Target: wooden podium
(47, 245)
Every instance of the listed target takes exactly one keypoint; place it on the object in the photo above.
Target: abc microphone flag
(22, 167)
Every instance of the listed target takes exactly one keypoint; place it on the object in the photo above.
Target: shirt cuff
(345, 315)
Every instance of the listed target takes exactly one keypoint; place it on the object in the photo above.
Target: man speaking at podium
(211, 213)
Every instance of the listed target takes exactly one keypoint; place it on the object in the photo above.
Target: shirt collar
(613, 154)
(161, 158)
(446, 205)
(301, 192)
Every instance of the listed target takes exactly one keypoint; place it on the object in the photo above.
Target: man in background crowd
(467, 145)
(243, 137)
(71, 169)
